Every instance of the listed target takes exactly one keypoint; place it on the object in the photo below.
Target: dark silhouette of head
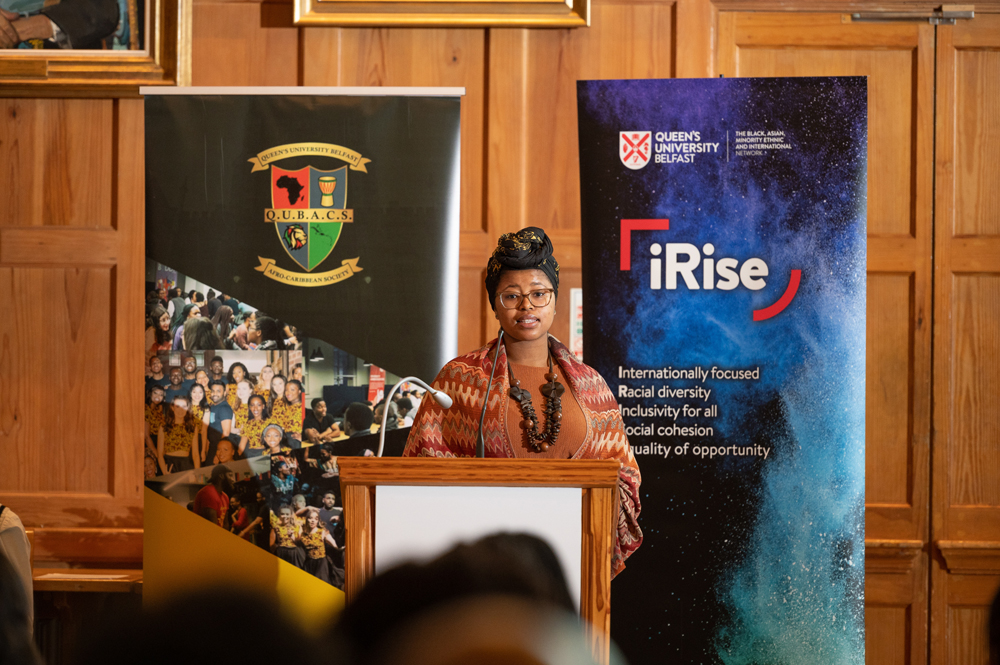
(505, 564)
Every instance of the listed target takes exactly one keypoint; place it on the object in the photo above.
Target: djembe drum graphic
(327, 184)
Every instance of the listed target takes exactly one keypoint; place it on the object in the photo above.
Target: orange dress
(177, 440)
(288, 416)
(240, 416)
(253, 430)
(154, 418)
(231, 395)
(198, 412)
(315, 543)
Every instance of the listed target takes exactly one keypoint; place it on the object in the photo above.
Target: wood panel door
(966, 505)
(898, 60)
(71, 275)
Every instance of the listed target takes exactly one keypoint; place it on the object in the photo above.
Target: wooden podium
(597, 479)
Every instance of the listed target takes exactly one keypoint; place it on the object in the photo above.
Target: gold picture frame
(444, 13)
(165, 60)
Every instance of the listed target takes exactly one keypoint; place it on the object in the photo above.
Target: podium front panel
(421, 522)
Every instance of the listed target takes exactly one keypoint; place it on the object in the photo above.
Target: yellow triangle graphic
(182, 552)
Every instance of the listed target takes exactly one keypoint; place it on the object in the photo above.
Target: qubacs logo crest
(308, 211)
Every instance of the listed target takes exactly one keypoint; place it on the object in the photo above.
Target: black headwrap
(524, 250)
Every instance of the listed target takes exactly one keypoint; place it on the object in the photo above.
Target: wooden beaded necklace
(552, 391)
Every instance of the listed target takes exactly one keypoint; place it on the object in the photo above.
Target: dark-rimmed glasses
(513, 300)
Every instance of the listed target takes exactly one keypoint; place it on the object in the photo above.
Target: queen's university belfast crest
(308, 211)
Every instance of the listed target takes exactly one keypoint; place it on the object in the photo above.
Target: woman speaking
(538, 418)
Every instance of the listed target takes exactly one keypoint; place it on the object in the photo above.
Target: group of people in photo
(202, 415)
(218, 411)
(206, 407)
(192, 321)
(294, 511)
(197, 416)
(239, 507)
(306, 514)
(302, 535)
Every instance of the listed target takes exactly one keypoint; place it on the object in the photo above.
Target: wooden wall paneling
(966, 492)
(967, 328)
(898, 59)
(55, 162)
(973, 453)
(895, 602)
(70, 420)
(967, 625)
(55, 331)
(532, 156)
(961, 606)
(977, 198)
(244, 43)
(970, 557)
(422, 57)
(888, 632)
(967, 320)
(542, 67)
(89, 545)
(506, 143)
(44, 246)
(695, 33)
(890, 389)
(473, 324)
(476, 322)
(129, 319)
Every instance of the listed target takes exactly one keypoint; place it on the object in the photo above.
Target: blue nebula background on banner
(753, 516)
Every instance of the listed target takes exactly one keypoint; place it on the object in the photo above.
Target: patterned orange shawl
(452, 433)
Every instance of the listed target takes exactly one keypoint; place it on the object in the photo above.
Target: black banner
(236, 199)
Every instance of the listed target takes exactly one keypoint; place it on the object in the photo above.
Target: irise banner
(723, 227)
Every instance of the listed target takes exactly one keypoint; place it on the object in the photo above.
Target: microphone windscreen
(443, 399)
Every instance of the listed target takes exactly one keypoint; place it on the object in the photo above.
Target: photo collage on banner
(239, 426)
(723, 246)
(292, 239)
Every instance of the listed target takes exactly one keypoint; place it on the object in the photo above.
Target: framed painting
(92, 48)
(445, 13)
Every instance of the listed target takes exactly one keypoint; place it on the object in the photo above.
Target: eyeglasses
(513, 300)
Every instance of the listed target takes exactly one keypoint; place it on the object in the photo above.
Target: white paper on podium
(419, 523)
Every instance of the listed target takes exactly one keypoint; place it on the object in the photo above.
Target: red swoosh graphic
(784, 301)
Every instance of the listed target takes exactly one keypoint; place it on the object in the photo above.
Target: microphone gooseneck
(480, 441)
(439, 396)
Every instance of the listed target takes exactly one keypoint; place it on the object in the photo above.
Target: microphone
(440, 397)
(480, 441)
